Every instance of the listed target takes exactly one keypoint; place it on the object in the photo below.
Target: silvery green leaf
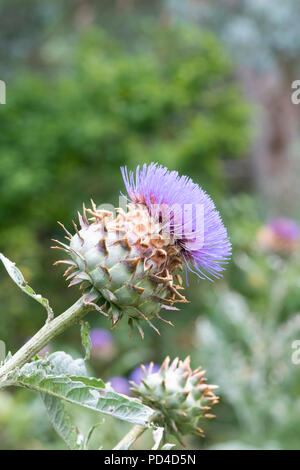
(62, 422)
(18, 278)
(62, 363)
(91, 382)
(84, 391)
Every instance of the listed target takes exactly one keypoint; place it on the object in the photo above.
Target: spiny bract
(181, 396)
(126, 259)
(132, 258)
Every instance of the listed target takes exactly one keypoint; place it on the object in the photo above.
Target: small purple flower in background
(102, 343)
(137, 374)
(280, 235)
(187, 212)
(285, 228)
(100, 338)
(120, 385)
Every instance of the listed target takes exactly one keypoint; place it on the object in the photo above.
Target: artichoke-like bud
(132, 258)
(127, 260)
(181, 397)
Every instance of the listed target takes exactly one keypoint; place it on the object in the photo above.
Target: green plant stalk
(49, 331)
(135, 432)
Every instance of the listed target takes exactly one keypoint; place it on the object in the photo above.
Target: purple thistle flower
(137, 374)
(285, 228)
(120, 385)
(102, 343)
(186, 213)
(132, 258)
(100, 338)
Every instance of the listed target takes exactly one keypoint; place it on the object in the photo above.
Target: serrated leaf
(62, 422)
(18, 278)
(84, 391)
(85, 338)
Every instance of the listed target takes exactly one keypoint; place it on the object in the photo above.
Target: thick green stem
(45, 335)
(135, 432)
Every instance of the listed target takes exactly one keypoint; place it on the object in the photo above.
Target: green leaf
(18, 278)
(91, 382)
(61, 363)
(81, 390)
(85, 338)
(62, 422)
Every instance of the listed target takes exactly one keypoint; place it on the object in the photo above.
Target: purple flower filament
(187, 216)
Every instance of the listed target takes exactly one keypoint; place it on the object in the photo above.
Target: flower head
(132, 258)
(186, 214)
(181, 397)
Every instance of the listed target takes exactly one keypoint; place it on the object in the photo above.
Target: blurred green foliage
(98, 106)
(67, 129)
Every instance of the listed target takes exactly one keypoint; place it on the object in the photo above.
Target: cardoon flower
(280, 234)
(133, 259)
(102, 343)
(285, 228)
(186, 214)
(120, 385)
(180, 396)
(138, 373)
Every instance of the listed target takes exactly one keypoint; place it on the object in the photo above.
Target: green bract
(181, 396)
(128, 261)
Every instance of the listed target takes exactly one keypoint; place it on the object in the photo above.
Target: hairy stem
(51, 329)
(135, 432)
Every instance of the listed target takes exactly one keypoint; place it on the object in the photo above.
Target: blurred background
(203, 87)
